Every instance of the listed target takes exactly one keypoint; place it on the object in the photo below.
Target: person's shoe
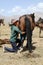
(20, 50)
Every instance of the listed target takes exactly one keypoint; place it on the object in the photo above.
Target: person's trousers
(13, 49)
(19, 43)
(22, 37)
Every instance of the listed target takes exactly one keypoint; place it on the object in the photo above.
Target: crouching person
(13, 39)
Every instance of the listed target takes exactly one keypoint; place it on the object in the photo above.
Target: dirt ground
(23, 58)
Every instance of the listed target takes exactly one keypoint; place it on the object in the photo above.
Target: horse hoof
(30, 51)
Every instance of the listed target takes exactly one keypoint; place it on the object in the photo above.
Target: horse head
(39, 23)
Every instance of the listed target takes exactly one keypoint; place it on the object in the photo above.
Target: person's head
(15, 22)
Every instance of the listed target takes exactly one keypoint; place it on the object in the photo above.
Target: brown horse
(22, 21)
(27, 24)
(39, 24)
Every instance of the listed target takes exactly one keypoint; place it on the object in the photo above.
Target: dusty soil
(23, 58)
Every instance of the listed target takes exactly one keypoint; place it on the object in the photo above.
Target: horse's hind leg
(29, 34)
(40, 33)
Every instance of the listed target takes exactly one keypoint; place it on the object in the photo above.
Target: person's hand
(23, 32)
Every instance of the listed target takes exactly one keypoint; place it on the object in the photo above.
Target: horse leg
(29, 34)
(40, 32)
(30, 41)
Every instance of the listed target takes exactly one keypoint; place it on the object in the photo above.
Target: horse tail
(27, 22)
(28, 33)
